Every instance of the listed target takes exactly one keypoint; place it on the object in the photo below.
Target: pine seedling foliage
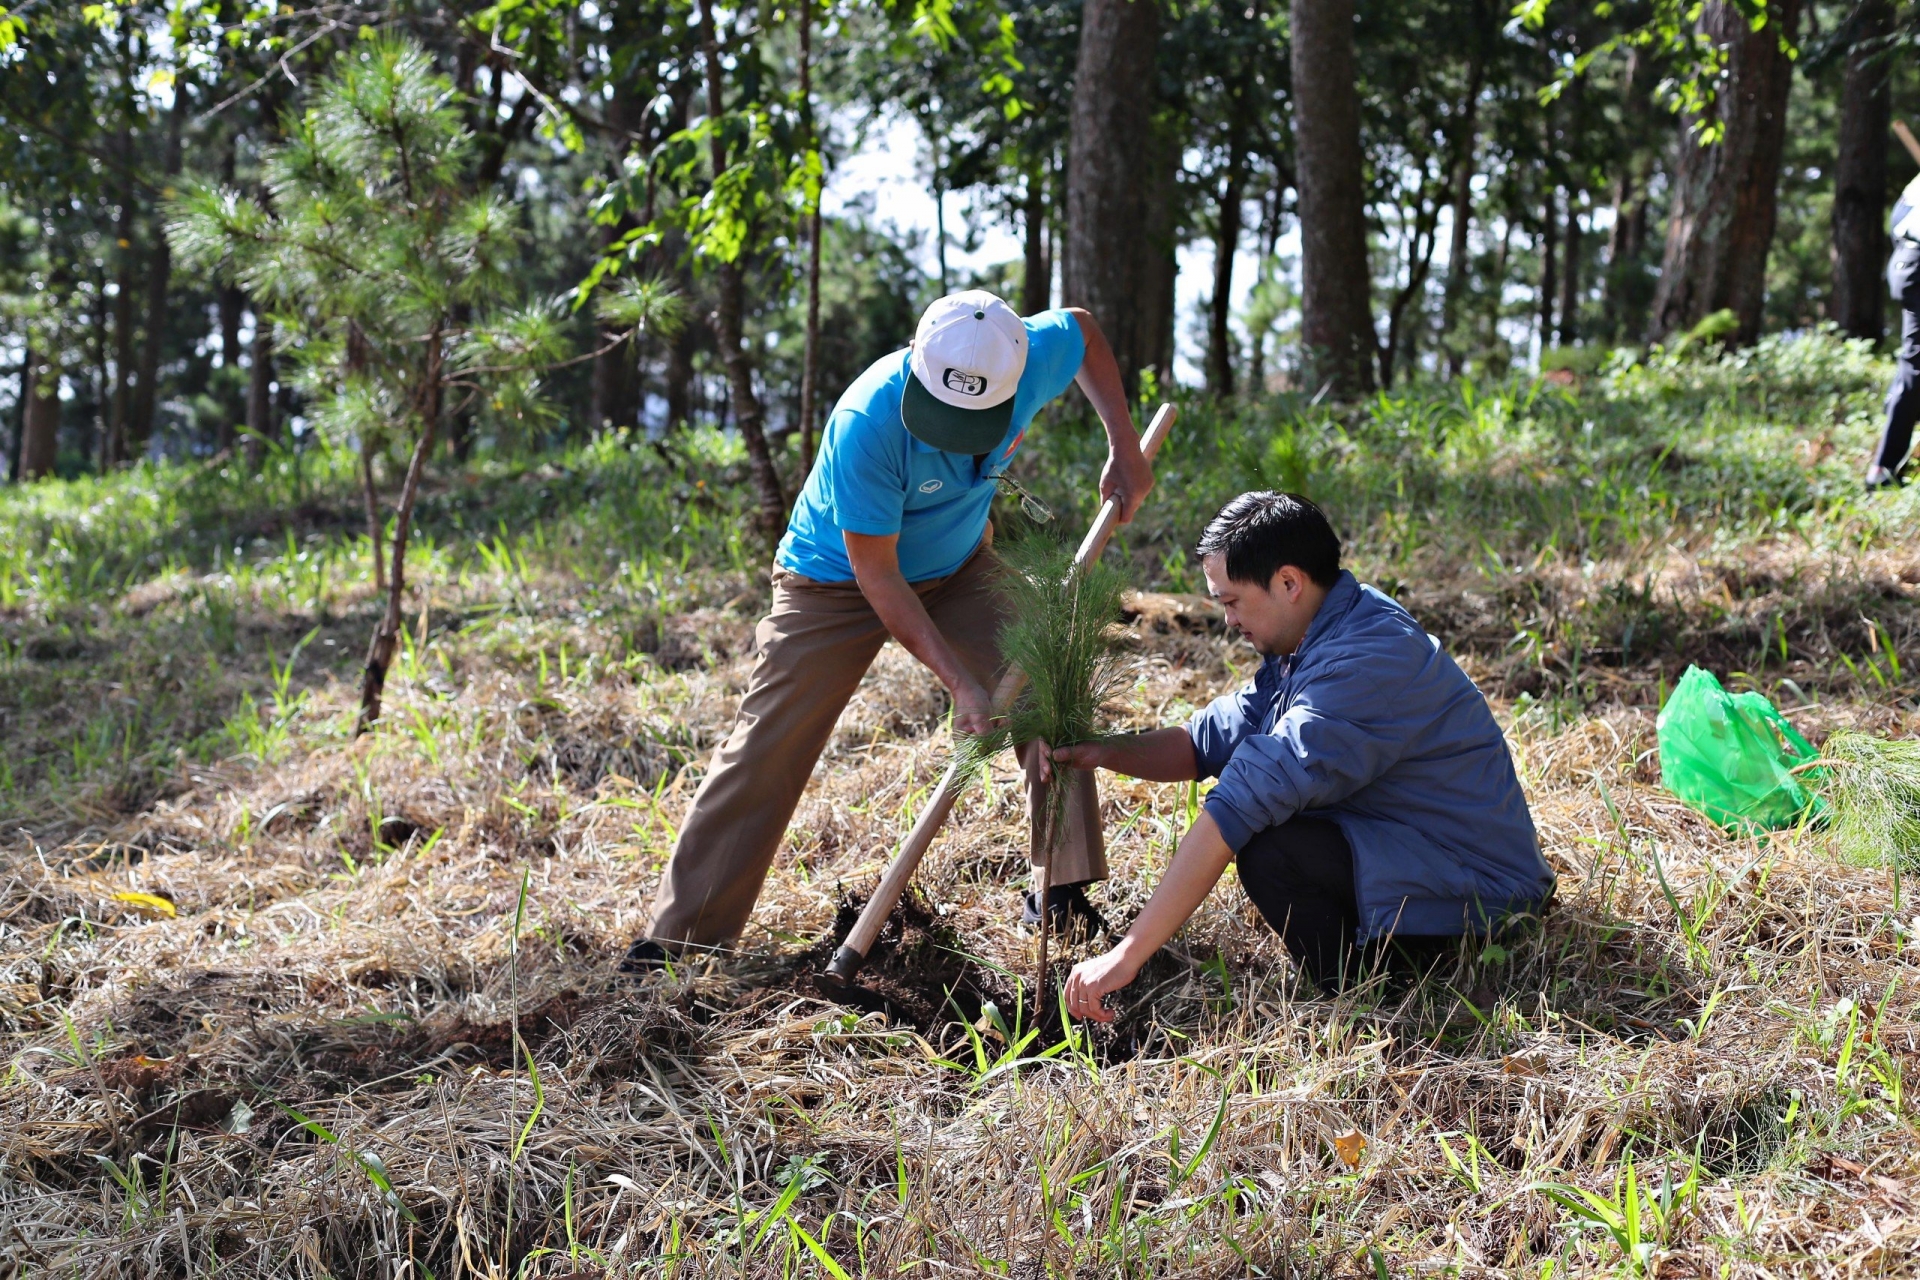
(1061, 638)
(1874, 788)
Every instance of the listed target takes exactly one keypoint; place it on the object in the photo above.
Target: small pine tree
(388, 278)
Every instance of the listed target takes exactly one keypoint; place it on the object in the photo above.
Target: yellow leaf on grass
(1351, 1146)
(152, 902)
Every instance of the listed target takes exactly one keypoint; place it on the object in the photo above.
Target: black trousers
(1903, 397)
(1300, 876)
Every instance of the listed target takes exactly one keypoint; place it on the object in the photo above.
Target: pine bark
(1571, 247)
(260, 426)
(1465, 145)
(1226, 244)
(1105, 263)
(810, 357)
(1549, 264)
(1160, 268)
(1724, 201)
(40, 419)
(114, 448)
(146, 390)
(1036, 284)
(1858, 304)
(386, 636)
(726, 318)
(1336, 282)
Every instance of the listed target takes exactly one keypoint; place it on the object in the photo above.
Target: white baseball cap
(967, 358)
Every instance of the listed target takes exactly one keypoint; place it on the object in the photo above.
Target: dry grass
(1729, 1019)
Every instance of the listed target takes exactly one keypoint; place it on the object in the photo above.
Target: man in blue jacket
(1364, 787)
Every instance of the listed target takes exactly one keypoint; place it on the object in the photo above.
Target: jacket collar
(1341, 597)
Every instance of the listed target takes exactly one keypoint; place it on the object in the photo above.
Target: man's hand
(1083, 755)
(972, 708)
(1091, 981)
(1128, 477)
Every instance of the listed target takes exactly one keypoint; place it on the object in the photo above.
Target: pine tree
(388, 279)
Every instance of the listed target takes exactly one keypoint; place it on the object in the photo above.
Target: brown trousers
(812, 650)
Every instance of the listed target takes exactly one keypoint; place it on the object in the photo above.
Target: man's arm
(1126, 472)
(1159, 755)
(1190, 877)
(876, 567)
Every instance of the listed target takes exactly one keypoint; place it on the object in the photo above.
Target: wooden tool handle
(848, 959)
(1907, 139)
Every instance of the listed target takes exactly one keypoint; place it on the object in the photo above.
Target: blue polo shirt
(873, 477)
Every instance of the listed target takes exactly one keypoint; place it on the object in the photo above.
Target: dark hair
(1260, 532)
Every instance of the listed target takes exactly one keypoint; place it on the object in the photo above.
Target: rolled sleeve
(1223, 724)
(1234, 829)
(1341, 733)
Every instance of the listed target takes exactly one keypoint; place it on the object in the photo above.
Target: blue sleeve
(1220, 726)
(867, 479)
(1345, 728)
(1055, 349)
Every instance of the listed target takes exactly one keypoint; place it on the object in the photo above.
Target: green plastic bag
(1732, 756)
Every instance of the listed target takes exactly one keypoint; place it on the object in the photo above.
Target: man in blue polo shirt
(890, 537)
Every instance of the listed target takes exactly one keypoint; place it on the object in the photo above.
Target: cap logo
(967, 384)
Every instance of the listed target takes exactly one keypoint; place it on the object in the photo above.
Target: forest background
(1415, 188)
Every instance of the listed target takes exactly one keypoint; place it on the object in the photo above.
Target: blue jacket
(1370, 724)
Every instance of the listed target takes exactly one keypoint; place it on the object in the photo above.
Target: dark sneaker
(1067, 909)
(1879, 477)
(645, 956)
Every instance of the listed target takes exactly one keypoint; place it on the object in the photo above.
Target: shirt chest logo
(930, 486)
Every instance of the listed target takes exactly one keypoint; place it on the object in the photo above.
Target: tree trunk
(611, 398)
(119, 421)
(1858, 304)
(1570, 273)
(1036, 292)
(260, 392)
(20, 412)
(40, 419)
(1549, 264)
(370, 502)
(380, 649)
(1420, 247)
(146, 391)
(1336, 283)
(1160, 268)
(1107, 252)
(679, 380)
(1724, 197)
(1626, 283)
(231, 303)
(727, 316)
(1226, 244)
(1465, 144)
(810, 357)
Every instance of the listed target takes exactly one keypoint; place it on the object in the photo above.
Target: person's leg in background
(1903, 397)
(970, 611)
(813, 647)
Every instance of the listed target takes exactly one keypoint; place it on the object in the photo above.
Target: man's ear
(1288, 582)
